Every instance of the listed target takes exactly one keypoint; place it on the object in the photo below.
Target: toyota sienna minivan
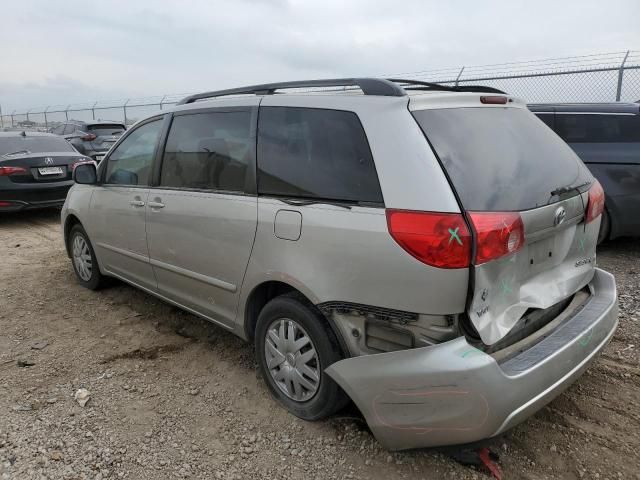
(424, 251)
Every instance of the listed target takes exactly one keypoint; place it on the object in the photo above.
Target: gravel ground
(172, 396)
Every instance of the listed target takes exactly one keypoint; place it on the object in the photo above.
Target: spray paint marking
(471, 352)
(584, 341)
(581, 245)
(454, 235)
(505, 286)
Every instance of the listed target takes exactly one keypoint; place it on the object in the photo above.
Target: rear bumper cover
(452, 393)
(34, 195)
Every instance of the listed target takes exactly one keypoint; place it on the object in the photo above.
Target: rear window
(500, 159)
(104, 130)
(594, 128)
(33, 144)
(316, 154)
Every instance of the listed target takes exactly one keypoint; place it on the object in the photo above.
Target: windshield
(501, 159)
(103, 130)
(33, 144)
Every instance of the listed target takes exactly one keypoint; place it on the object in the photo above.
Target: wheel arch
(69, 223)
(266, 291)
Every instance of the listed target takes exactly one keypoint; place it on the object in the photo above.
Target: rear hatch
(105, 135)
(524, 190)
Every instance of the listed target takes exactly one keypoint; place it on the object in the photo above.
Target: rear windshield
(501, 159)
(19, 144)
(103, 130)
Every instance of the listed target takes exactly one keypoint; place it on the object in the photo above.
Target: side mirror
(85, 173)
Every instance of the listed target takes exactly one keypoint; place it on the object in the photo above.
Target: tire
(605, 227)
(87, 271)
(309, 399)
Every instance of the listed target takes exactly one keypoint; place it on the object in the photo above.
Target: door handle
(155, 204)
(136, 203)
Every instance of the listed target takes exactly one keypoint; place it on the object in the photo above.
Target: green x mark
(472, 351)
(505, 286)
(454, 235)
(581, 245)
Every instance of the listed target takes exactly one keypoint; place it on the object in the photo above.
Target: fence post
(124, 108)
(162, 101)
(1, 118)
(46, 123)
(458, 77)
(93, 110)
(12, 122)
(66, 112)
(620, 74)
(28, 114)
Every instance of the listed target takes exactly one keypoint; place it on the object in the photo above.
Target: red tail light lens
(595, 206)
(89, 137)
(497, 234)
(5, 171)
(438, 239)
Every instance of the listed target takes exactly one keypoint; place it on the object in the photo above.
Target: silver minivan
(427, 252)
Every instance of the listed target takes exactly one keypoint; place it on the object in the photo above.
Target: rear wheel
(294, 346)
(84, 260)
(605, 227)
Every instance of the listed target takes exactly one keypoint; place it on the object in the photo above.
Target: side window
(208, 151)
(69, 128)
(130, 163)
(58, 130)
(576, 128)
(315, 153)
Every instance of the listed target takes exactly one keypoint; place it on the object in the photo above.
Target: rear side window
(315, 153)
(69, 128)
(208, 151)
(594, 128)
(501, 159)
(105, 130)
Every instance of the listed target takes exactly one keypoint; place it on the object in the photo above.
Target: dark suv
(606, 136)
(94, 138)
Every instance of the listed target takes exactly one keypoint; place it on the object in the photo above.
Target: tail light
(437, 239)
(493, 100)
(497, 234)
(595, 205)
(6, 204)
(5, 171)
(89, 137)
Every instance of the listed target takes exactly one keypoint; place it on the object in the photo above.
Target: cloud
(73, 51)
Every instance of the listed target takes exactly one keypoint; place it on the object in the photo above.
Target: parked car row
(607, 139)
(427, 252)
(36, 167)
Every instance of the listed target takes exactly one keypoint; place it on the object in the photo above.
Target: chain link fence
(606, 77)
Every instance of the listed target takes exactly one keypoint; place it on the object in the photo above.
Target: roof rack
(390, 87)
(409, 85)
(369, 86)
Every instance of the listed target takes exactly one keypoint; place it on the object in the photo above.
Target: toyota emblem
(559, 216)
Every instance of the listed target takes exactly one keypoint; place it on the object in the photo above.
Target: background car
(35, 170)
(606, 136)
(92, 138)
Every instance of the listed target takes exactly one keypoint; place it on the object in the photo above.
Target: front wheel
(84, 260)
(294, 346)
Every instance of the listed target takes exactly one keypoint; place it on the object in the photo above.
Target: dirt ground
(175, 397)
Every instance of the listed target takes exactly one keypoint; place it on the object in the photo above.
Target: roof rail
(369, 86)
(408, 84)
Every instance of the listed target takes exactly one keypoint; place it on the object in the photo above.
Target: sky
(68, 51)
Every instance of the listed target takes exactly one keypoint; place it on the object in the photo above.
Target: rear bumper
(21, 196)
(452, 393)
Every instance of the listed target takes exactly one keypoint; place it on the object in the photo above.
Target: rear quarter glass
(500, 159)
